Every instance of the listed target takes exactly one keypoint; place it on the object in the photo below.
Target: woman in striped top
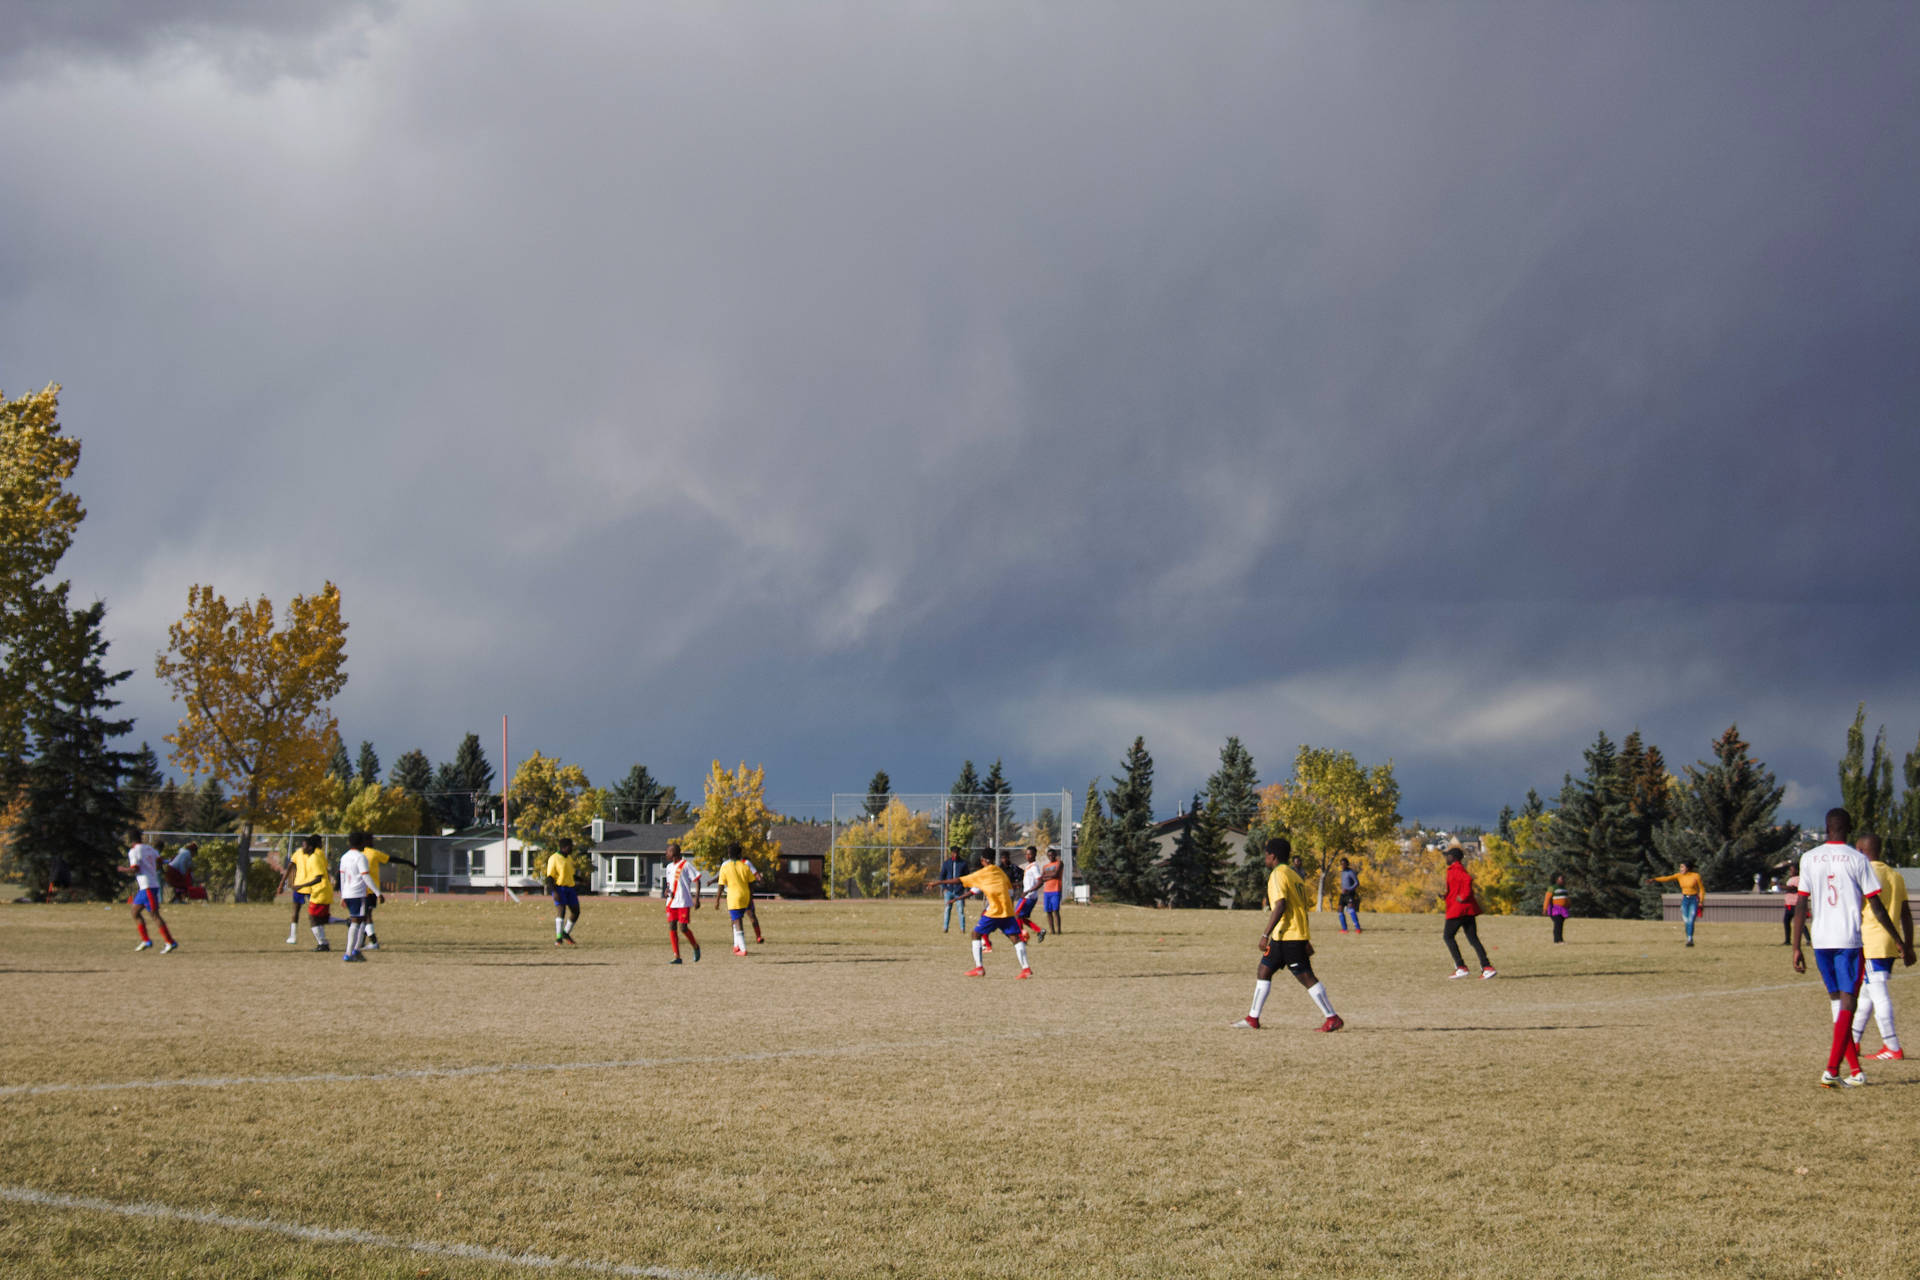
(1555, 906)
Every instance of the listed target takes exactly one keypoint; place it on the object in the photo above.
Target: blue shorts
(734, 913)
(1840, 968)
(148, 898)
(566, 895)
(356, 907)
(1052, 901)
(1876, 965)
(987, 924)
(299, 899)
(1027, 904)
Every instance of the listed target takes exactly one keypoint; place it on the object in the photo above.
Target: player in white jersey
(1030, 895)
(143, 864)
(1836, 883)
(683, 899)
(358, 891)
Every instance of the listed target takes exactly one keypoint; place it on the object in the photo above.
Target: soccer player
(296, 871)
(1030, 895)
(143, 864)
(1051, 877)
(376, 866)
(1836, 883)
(1349, 895)
(1462, 907)
(997, 915)
(736, 878)
(559, 875)
(1692, 894)
(315, 881)
(1285, 942)
(1881, 949)
(358, 890)
(1555, 906)
(683, 899)
(950, 872)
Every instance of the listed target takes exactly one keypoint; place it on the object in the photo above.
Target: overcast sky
(845, 387)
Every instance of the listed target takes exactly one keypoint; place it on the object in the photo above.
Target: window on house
(470, 862)
(517, 862)
(798, 866)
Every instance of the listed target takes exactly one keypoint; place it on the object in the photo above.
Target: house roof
(797, 840)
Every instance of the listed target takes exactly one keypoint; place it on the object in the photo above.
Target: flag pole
(506, 820)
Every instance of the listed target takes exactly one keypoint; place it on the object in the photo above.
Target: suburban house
(632, 858)
(477, 860)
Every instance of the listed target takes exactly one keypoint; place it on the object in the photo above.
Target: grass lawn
(842, 1103)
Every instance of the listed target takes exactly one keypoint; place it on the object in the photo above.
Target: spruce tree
(1195, 872)
(879, 793)
(1126, 871)
(1903, 840)
(1087, 841)
(367, 765)
(1866, 783)
(639, 797)
(448, 801)
(1534, 807)
(144, 779)
(1233, 791)
(1593, 838)
(471, 782)
(963, 801)
(1643, 771)
(996, 809)
(1726, 819)
(168, 810)
(339, 763)
(412, 773)
(1505, 828)
(209, 813)
(71, 803)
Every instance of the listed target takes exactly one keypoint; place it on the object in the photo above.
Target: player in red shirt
(1461, 910)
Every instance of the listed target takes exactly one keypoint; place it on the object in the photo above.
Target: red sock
(674, 938)
(141, 925)
(696, 946)
(1853, 1046)
(1842, 1042)
(169, 941)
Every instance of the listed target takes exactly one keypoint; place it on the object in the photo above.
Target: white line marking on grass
(509, 1068)
(350, 1235)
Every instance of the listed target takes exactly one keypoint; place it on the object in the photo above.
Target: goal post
(891, 846)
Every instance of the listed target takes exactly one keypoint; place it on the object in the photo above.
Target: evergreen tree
(144, 779)
(367, 765)
(339, 763)
(209, 811)
(1866, 784)
(1593, 838)
(1087, 841)
(879, 794)
(1725, 821)
(996, 809)
(963, 801)
(1903, 841)
(465, 787)
(1233, 792)
(1126, 871)
(1534, 807)
(166, 811)
(1643, 771)
(412, 773)
(448, 802)
(1195, 872)
(71, 803)
(1505, 829)
(640, 797)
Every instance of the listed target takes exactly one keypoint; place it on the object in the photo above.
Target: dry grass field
(843, 1103)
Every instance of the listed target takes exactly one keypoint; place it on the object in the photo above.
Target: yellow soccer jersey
(993, 882)
(1285, 884)
(737, 877)
(311, 865)
(560, 870)
(376, 860)
(1879, 944)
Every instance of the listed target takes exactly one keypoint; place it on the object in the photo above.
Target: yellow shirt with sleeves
(993, 883)
(311, 865)
(559, 869)
(1878, 943)
(1688, 882)
(1285, 885)
(375, 861)
(736, 876)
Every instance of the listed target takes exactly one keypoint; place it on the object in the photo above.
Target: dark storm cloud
(856, 388)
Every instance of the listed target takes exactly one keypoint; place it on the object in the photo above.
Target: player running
(1462, 907)
(1881, 949)
(1837, 888)
(143, 864)
(316, 883)
(1030, 895)
(735, 878)
(1692, 893)
(683, 899)
(376, 866)
(358, 892)
(559, 875)
(1051, 877)
(1285, 941)
(297, 871)
(997, 915)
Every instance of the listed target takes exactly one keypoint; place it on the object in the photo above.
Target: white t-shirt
(683, 882)
(356, 880)
(1836, 880)
(145, 860)
(1030, 880)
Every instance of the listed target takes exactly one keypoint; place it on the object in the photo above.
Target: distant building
(632, 857)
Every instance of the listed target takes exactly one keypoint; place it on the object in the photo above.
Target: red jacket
(1460, 892)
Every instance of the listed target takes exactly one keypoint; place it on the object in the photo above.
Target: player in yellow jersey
(295, 874)
(559, 873)
(1285, 941)
(376, 864)
(1882, 949)
(315, 880)
(994, 886)
(735, 879)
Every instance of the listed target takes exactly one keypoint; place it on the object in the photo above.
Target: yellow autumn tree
(735, 811)
(37, 519)
(255, 698)
(1508, 868)
(1398, 873)
(334, 806)
(1333, 807)
(893, 851)
(554, 802)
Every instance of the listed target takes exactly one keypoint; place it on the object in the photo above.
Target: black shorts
(1292, 955)
(1350, 898)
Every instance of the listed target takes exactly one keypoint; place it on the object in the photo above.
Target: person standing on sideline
(956, 893)
(1881, 949)
(143, 864)
(1030, 896)
(735, 878)
(1461, 910)
(1349, 895)
(1793, 900)
(1692, 893)
(683, 899)
(358, 892)
(1837, 886)
(559, 874)
(997, 914)
(377, 865)
(1285, 942)
(1051, 877)
(1554, 906)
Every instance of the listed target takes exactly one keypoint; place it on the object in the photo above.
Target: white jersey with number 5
(1836, 880)
(683, 881)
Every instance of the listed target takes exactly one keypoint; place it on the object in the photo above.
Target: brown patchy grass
(1615, 1107)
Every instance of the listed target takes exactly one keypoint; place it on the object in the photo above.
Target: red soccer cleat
(1889, 1055)
(986, 945)
(976, 972)
(1332, 1024)
(739, 951)
(1026, 973)
(1248, 1023)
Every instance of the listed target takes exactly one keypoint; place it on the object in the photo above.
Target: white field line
(351, 1235)
(511, 1068)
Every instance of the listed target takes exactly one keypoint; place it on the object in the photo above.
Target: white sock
(1318, 994)
(353, 936)
(1882, 1009)
(1862, 1010)
(319, 934)
(1020, 949)
(366, 932)
(979, 960)
(293, 931)
(559, 925)
(739, 937)
(1262, 988)
(568, 926)
(1833, 1003)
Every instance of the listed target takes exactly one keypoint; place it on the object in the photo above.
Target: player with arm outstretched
(1285, 941)
(683, 899)
(143, 864)
(559, 875)
(997, 915)
(376, 865)
(1837, 888)
(1693, 893)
